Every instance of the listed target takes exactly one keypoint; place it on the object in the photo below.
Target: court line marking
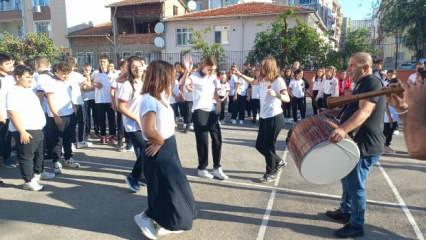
(268, 210)
(402, 204)
(258, 186)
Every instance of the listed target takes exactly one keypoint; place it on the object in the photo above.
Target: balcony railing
(10, 5)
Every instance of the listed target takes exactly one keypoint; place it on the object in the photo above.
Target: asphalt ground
(93, 202)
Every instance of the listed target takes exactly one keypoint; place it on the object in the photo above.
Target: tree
(405, 18)
(207, 50)
(30, 46)
(356, 41)
(301, 43)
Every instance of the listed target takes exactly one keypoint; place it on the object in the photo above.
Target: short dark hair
(390, 71)
(378, 61)
(104, 56)
(63, 67)
(4, 57)
(297, 71)
(20, 70)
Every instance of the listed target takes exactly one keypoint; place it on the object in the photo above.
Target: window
(175, 11)
(139, 54)
(183, 36)
(85, 58)
(40, 3)
(221, 34)
(43, 27)
(305, 2)
(126, 55)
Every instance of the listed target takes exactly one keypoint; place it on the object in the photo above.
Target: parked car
(408, 66)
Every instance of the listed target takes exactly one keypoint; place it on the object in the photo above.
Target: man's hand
(25, 137)
(337, 135)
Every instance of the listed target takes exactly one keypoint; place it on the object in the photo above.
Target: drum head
(328, 162)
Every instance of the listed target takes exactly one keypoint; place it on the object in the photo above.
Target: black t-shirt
(369, 136)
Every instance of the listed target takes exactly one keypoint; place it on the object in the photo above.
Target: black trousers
(205, 123)
(298, 104)
(121, 132)
(59, 137)
(239, 107)
(315, 104)
(5, 141)
(30, 156)
(104, 110)
(324, 100)
(175, 107)
(286, 107)
(388, 132)
(89, 108)
(79, 125)
(255, 107)
(231, 105)
(222, 109)
(187, 115)
(138, 145)
(269, 129)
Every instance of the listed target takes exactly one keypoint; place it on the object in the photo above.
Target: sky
(357, 9)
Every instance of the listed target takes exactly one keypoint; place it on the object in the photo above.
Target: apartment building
(55, 18)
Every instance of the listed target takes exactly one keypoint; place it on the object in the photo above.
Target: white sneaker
(44, 176)
(73, 147)
(163, 232)
(205, 174)
(396, 132)
(233, 121)
(72, 163)
(146, 225)
(241, 122)
(191, 127)
(33, 185)
(89, 144)
(219, 174)
(82, 145)
(57, 168)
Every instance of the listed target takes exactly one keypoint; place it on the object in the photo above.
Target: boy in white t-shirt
(26, 126)
(88, 93)
(6, 83)
(297, 90)
(223, 90)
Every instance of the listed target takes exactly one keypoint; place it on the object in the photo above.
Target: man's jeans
(354, 195)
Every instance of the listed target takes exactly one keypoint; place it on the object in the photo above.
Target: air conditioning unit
(37, 9)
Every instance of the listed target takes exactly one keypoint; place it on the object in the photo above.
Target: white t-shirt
(26, 104)
(270, 106)
(126, 93)
(232, 85)
(242, 86)
(175, 91)
(43, 80)
(331, 87)
(164, 114)
(102, 95)
(203, 89)
(116, 86)
(61, 97)
(255, 91)
(297, 88)
(222, 88)
(6, 83)
(317, 84)
(412, 78)
(75, 80)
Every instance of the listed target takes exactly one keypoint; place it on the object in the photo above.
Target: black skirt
(170, 200)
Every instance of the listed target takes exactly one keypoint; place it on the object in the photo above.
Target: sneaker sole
(32, 190)
(143, 230)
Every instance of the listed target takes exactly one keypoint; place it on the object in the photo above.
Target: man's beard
(356, 75)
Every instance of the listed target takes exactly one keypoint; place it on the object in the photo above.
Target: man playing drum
(361, 120)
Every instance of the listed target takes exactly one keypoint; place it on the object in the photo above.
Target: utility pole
(397, 37)
(115, 32)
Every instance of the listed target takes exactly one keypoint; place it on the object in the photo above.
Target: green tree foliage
(30, 46)
(407, 18)
(207, 50)
(301, 43)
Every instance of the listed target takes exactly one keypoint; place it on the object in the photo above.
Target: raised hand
(187, 62)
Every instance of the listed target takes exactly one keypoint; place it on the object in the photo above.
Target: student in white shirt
(103, 100)
(297, 90)
(88, 93)
(286, 106)
(75, 80)
(129, 100)
(255, 95)
(232, 78)
(240, 98)
(203, 86)
(171, 204)
(61, 115)
(273, 92)
(413, 77)
(316, 86)
(330, 86)
(6, 83)
(223, 93)
(186, 90)
(26, 126)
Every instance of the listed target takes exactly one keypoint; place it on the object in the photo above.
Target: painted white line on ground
(402, 204)
(254, 185)
(267, 215)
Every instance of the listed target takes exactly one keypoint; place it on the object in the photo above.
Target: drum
(320, 161)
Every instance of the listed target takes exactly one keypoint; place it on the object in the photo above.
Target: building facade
(55, 18)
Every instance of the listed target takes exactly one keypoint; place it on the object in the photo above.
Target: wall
(168, 8)
(10, 27)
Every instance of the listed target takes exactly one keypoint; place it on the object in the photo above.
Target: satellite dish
(159, 27)
(159, 42)
(192, 5)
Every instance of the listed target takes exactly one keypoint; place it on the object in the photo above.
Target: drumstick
(333, 102)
